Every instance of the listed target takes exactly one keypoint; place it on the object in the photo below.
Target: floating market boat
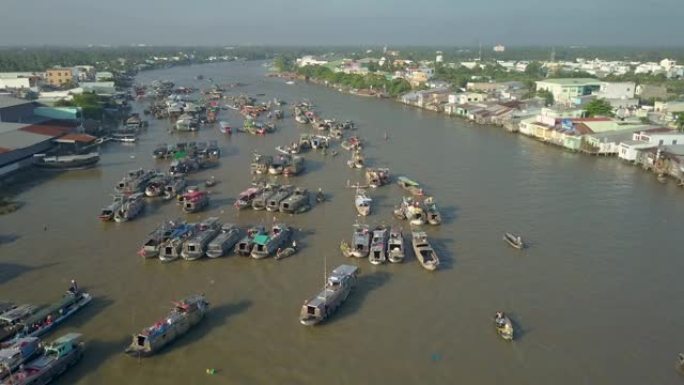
(52, 316)
(130, 208)
(362, 202)
(504, 326)
(66, 162)
(160, 235)
(432, 212)
(155, 187)
(55, 359)
(260, 201)
(356, 161)
(337, 288)
(378, 248)
(246, 197)
(186, 314)
(351, 144)
(514, 240)
(296, 203)
(174, 188)
(424, 252)
(360, 241)
(346, 249)
(186, 123)
(171, 249)
(224, 242)
(409, 185)
(210, 182)
(17, 353)
(268, 244)
(245, 245)
(376, 177)
(260, 163)
(410, 210)
(285, 253)
(301, 118)
(273, 203)
(395, 245)
(11, 320)
(107, 213)
(195, 247)
(319, 142)
(135, 181)
(195, 201)
(277, 165)
(161, 151)
(294, 166)
(224, 128)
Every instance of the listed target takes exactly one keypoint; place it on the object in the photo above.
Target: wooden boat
(171, 249)
(107, 213)
(296, 203)
(185, 314)
(261, 200)
(224, 128)
(300, 118)
(320, 196)
(135, 181)
(155, 187)
(376, 177)
(211, 182)
(410, 210)
(224, 242)
(356, 161)
(514, 240)
(195, 247)
(11, 320)
(273, 203)
(160, 235)
(395, 245)
(285, 253)
(424, 252)
(278, 164)
(161, 151)
(378, 248)
(294, 167)
(260, 163)
(409, 185)
(56, 358)
(504, 326)
(17, 353)
(246, 197)
(66, 162)
(362, 202)
(319, 142)
(432, 212)
(174, 188)
(351, 144)
(245, 245)
(337, 288)
(54, 315)
(130, 208)
(360, 241)
(195, 201)
(268, 244)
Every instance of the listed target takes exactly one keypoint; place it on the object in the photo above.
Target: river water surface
(597, 295)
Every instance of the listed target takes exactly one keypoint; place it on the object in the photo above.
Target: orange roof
(44, 130)
(83, 138)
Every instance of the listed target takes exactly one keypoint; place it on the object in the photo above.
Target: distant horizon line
(369, 45)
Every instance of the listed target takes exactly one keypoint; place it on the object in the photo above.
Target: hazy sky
(336, 22)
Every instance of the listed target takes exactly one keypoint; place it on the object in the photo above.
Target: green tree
(534, 69)
(679, 121)
(599, 107)
(547, 96)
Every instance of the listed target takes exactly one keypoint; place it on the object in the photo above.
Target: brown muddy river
(597, 295)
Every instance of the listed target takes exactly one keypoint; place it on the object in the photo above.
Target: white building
(16, 83)
(499, 48)
(617, 90)
(629, 150)
(567, 91)
(310, 60)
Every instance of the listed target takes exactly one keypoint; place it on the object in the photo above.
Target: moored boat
(273, 203)
(362, 202)
(410, 185)
(296, 203)
(151, 245)
(171, 249)
(195, 247)
(246, 197)
(66, 162)
(268, 244)
(185, 314)
(294, 166)
(11, 320)
(337, 288)
(224, 128)
(53, 315)
(361, 238)
(245, 245)
(261, 200)
(107, 213)
(378, 248)
(424, 252)
(357, 160)
(432, 214)
(56, 358)
(225, 241)
(410, 210)
(376, 177)
(395, 245)
(130, 208)
(195, 201)
(16, 353)
(514, 240)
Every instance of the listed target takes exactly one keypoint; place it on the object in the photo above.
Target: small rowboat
(504, 326)
(284, 253)
(514, 240)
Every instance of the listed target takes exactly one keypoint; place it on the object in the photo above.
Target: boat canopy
(261, 239)
(408, 181)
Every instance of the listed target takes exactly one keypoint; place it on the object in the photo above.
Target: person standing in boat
(73, 288)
